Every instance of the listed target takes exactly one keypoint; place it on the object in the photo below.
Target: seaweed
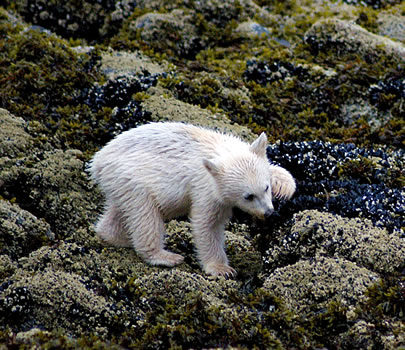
(385, 298)
(194, 323)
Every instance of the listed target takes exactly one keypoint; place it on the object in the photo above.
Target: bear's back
(169, 138)
(167, 146)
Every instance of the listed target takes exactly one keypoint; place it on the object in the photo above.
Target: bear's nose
(268, 213)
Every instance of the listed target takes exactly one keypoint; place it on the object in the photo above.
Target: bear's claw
(220, 270)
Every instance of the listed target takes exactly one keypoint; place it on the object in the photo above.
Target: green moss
(80, 127)
(173, 43)
(128, 39)
(272, 315)
(140, 96)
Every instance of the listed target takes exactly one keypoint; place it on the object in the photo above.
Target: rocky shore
(324, 79)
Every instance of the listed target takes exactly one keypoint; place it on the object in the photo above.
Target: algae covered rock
(313, 284)
(175, 27)
(54, 299)
(20, 231)
(391, 25)
(359, 241)
(7, 266)
(344, 36)
(52, 185)
(115, 64)
(164, 107)
(72, 18)
(14, 140)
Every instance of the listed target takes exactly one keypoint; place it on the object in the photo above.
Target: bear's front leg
(282, 182)
(208, 231)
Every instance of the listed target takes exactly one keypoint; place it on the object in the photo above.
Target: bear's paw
(165, 258)
(218, 269)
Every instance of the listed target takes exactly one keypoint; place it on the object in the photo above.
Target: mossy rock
(391, 25)
(55, 299)
(164, 107)
(173, 33)
(77, 19)
(316, 233)
(21, 232)
(116, 64)
(342, 36)
(14, 140)
(323, 89)
(54, 186)
(310, 285)
(7, 266)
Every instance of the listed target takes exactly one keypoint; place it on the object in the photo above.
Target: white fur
(164, 170)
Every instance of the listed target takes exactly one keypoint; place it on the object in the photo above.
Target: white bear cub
(160, 171)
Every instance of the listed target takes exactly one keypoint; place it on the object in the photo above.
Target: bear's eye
(249, 197)
(266, 189)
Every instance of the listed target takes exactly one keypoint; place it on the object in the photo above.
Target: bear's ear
(259, 145)
(212, 166)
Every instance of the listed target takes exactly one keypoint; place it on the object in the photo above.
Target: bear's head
(243, 178)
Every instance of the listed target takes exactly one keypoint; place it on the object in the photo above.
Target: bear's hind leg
(109, 228)
(146, 231)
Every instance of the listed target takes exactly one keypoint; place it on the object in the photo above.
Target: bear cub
(160, 171)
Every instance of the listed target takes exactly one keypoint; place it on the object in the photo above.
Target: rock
(70, 19)
(56, 299)
(20, 231)
(356, 240)
(46, 183)
(174, 29)
(325, 272)
(310, 285)
(115, 64)
(51, 184)
(357, 109)
(165, 108)
(7, 267)
(14, 140)
(392, 26)
(252, 29)
(363, 335)
(344, 36)
(220, 13)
